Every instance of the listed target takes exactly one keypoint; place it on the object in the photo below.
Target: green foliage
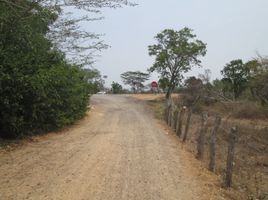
(135, 79)
(66, 32)
(258, 82)
(94, 79)
(223, 87)
(39, 91)
(176, 52)
(259, 87)
(163, 83)
(237, 74)
(116, 88)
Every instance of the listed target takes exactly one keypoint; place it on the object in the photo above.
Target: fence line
(174, 117)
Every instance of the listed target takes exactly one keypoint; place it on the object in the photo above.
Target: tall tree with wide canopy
(135, 79)
(176, 52)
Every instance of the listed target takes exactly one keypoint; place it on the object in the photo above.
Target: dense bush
(39, 90)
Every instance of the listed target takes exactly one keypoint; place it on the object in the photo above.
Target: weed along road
(119, 151)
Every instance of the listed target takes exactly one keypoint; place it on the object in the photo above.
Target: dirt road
(117, 152)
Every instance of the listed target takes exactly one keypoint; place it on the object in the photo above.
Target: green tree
(135, 79)
(222, 88)
(39, 90)
(163, 84)
(116, 88)
(176, 52)
(259, 78)
(237, 74)
(95, 80)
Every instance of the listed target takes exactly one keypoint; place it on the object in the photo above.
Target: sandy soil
(119, 151)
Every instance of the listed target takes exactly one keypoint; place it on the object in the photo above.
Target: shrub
(39, 90)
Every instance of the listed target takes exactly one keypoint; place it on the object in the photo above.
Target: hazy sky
(232, 29)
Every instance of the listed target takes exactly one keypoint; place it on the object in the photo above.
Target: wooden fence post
(230, 157)
(175, 119)
(187, 124)
(201, 138)
(166, 114)
(179, 123)
(170, 113)
(212, 144)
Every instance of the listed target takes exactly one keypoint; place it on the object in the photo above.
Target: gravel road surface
(119, 151)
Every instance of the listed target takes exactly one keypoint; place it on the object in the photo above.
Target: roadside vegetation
(241, 93)
(239, 98)
(45, 78)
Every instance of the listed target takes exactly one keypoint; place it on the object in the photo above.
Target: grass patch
(157, 105)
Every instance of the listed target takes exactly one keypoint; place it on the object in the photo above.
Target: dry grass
(250, 178)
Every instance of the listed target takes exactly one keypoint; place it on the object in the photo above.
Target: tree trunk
(168, 94)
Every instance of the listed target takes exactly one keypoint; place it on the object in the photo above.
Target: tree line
(177, 52)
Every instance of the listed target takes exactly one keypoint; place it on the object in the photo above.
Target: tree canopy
(237, 73)
(135, 79)
(258, 68)
(176, 52)
(66, 33)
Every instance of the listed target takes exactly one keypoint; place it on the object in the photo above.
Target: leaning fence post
(179, 123)
(230, 157)
(201, 138)
(212, 144)
(187, 124)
